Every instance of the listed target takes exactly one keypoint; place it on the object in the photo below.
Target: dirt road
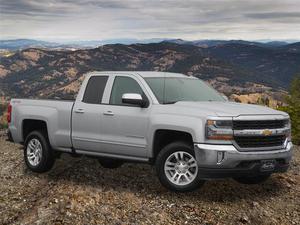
(80, 191)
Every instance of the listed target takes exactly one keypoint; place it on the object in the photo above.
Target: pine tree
(293, 109)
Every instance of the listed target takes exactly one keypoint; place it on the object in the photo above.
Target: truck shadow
(141, 179)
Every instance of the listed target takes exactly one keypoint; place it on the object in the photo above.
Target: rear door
(86, 115)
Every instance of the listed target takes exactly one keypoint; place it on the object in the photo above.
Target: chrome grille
(261, 134)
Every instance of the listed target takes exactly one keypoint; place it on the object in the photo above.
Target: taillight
(9, 109)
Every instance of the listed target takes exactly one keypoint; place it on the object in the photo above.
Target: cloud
(30, 7)
(274, 15)
(193, 19)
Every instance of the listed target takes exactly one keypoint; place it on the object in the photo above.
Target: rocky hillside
(237, 68)
(80, 191)
(271, 65)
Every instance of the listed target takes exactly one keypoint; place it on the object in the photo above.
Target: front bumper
(218, 161)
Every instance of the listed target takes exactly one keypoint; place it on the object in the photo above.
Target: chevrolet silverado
(177, 123)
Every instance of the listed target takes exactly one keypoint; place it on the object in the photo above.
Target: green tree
(3, 122)
(293, 109)
(267, 102)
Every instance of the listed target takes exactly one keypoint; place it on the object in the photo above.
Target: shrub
(3, 122)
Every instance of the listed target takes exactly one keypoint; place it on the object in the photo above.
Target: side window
(121, 86)
(94, 89)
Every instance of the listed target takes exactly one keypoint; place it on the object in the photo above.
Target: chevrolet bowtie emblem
(267, 132)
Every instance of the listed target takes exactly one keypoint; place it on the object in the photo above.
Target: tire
(37, 148)
(175, 171)
(110, 163)
(252, 180)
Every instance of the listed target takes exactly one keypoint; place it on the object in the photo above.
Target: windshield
(173, 89)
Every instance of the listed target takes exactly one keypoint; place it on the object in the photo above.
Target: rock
(255, 204)
(244, 219)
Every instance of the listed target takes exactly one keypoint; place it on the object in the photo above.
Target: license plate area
(268, 165)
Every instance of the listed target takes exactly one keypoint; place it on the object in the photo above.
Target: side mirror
(134, 99)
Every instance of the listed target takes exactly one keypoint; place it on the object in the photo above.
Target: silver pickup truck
(178, 123)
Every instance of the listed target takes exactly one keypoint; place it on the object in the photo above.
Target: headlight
(219, 130)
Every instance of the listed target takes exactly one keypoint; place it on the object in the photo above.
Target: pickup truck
(177, 123)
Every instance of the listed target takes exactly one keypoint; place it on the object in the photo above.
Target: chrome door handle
(108, 113)
(79, 111)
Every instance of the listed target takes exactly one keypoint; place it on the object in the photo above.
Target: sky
(144, 19)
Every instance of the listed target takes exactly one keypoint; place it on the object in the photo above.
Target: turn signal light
(9, 111)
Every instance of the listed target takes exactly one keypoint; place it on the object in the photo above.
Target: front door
(125, 125)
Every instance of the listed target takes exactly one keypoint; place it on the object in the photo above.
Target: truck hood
(229, 108)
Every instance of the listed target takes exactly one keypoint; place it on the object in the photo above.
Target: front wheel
(177, 168)
(252, 180)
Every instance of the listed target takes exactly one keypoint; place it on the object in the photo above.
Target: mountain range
(230, 66)
(18, 44)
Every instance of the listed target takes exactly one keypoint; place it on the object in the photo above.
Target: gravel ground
(80, 191)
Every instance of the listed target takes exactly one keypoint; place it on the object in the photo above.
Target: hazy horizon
(92, 20)
(149, 39)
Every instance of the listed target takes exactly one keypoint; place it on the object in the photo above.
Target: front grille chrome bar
(260, 132)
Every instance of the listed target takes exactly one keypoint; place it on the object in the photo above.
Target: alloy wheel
(181, 168)
(34, 152)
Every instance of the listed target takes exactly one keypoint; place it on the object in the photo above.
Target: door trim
(109, 142)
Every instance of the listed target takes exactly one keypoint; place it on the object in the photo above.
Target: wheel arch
(163, 137)
(29, 125)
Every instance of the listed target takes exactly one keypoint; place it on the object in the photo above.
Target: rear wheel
(110, 163)
(38, 154)
(252, 180)
(177, 168)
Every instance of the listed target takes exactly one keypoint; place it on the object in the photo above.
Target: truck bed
(56, 113)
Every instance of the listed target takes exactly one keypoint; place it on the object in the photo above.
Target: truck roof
(140, 73)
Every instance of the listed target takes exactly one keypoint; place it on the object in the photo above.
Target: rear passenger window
(94, 89)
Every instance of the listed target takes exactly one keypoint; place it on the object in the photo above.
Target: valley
(243, 71)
